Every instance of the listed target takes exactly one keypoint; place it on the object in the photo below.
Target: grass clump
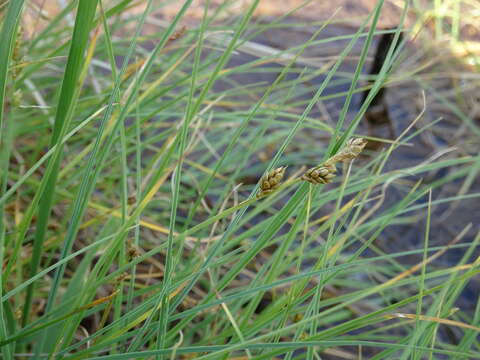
(145, 214)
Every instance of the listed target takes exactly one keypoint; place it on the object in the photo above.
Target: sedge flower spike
(350, 151)
(271, 181)
(324, 173)
(320, 174)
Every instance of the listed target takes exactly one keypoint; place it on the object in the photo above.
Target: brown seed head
(18, 313)
(350, 151)
(297, 317)
(178, 33)
(271, 181)
(320, 174)
(132, 250)
(355, 146)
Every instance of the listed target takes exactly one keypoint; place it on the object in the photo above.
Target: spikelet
(132, 250)
(18, 313)
(132, 199)
(324, 173)
(320, 174)
(350, 151)
(271, 181)
(178, 34)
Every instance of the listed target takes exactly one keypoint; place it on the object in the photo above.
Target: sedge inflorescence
(324, 173)
(271, 181)
(321, 174)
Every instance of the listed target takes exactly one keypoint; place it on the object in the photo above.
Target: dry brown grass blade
(433, 319)
(100, 301)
